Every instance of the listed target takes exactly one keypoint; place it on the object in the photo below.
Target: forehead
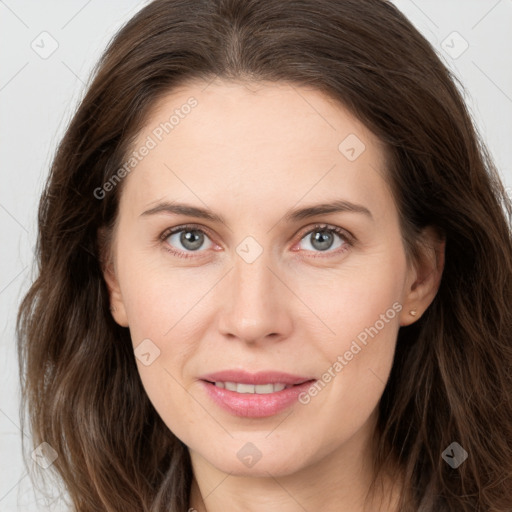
(252, 142)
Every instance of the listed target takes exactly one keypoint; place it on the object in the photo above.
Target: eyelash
(348, 238)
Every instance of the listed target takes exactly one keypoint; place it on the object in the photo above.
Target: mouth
(257, 389)
(254, 395)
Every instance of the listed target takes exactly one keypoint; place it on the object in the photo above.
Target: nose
(254, 304)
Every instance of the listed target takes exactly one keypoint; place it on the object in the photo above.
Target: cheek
(160, 312)
(164, 307)
(355, 370)
(158, 296)
(355, 296)
(172, 400)
(362, 307)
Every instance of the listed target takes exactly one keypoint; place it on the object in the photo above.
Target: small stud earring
(413, 312)
(112, 308)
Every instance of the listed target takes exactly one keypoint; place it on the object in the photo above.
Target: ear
(424, 276)
(117, 307)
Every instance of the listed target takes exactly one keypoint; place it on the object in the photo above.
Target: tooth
(245, 388)
(231, 386)
(263, 389)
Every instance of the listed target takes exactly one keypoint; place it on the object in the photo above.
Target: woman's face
(258, 281)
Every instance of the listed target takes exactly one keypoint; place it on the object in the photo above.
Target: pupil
(192, 240)
(322, 240)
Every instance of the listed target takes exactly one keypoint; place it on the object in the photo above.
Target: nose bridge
(252, 281)
(251, 278)
(254, 305)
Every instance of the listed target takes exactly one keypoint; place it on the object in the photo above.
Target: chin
(260, 464)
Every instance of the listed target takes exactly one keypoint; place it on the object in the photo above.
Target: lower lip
(252, 405)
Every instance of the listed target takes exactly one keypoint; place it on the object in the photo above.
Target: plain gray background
(48, 50)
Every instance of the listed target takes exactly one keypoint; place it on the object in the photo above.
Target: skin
(252, 152)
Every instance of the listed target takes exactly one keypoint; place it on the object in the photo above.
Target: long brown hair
(451, 380)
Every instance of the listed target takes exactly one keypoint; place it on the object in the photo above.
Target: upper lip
(264, 377)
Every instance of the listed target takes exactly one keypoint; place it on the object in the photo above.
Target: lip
(255, 405)
(265, 377)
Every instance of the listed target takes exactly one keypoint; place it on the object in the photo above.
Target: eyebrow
(339, 205)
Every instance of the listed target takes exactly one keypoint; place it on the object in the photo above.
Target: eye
(322, 238)
(183, 239)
